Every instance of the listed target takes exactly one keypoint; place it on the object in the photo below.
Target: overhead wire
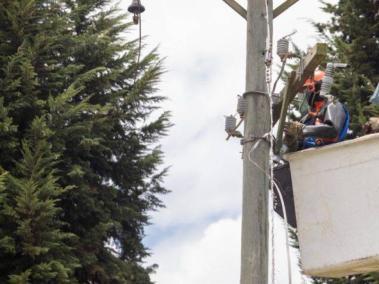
(268, 62)
(286, 232)
(270, 177)
(280, 74)
(268, 81)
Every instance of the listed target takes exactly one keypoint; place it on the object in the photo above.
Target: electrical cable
(286, 228)
(270, 92)
(272, 238)
(253, 148)
(280, 73)
(268, 82)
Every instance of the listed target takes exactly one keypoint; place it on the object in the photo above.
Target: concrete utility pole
(256, 181)
(256, 184)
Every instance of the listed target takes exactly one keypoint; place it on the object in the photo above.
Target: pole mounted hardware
(242, 106)
(266, 138)
(231, 124)
(237, 8)
(231, 127)
(328, 80)
(283, 7)
(258, 93)
(243, 12)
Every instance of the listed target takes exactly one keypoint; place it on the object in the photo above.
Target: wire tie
(256, 93)
(266, 137)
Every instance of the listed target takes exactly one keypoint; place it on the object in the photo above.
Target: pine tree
(69, 63)
(353, 35)
(34, 248)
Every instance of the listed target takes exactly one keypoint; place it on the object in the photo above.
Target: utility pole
(256, 164)
(256, 183)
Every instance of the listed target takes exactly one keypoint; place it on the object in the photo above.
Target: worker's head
(312, 87)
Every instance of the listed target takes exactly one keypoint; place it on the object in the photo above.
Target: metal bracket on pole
(259, 93)
(283, 7)
(237, 7)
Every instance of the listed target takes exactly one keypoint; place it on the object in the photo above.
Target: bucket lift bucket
(336, 193)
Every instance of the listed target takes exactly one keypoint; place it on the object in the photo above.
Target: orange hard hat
(310, 84)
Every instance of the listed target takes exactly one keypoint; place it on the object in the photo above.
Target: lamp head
(136, 7)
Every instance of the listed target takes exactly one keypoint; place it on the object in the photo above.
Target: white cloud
(213, 255)
(211, 258)
(205, 47)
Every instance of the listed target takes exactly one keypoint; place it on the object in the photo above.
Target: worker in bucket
(326, 122)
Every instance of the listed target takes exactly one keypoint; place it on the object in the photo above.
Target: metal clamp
(267, 137)
(256, 93)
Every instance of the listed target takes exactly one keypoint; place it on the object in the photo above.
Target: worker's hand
(294, 129)
(371, 126)
(293, 134)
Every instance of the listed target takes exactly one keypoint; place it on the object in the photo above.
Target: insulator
(326, 85)
(283, 47)
(327, 81)
(329, 70)
(230, 123)
(242, 106)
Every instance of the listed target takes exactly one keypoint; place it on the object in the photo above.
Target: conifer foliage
(353, 34)
(80, 165)
(30, 228)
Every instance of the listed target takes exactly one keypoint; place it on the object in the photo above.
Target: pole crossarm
(237, 7)
(294, 85)
(283, 7)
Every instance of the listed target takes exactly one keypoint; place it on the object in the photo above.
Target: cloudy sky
(196, 239)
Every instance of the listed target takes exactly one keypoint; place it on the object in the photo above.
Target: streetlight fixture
(136, 8)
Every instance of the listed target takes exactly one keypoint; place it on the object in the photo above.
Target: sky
(196, 238)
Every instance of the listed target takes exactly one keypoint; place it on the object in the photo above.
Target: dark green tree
(353, 35)
(70, 63)
(35, 248)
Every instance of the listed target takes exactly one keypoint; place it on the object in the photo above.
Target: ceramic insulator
(242, 106)
(230, 123)
(283, 47)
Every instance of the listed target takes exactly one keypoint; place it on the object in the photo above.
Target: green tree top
(69, 64)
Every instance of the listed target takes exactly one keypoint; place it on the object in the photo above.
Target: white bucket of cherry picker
(336, 193)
